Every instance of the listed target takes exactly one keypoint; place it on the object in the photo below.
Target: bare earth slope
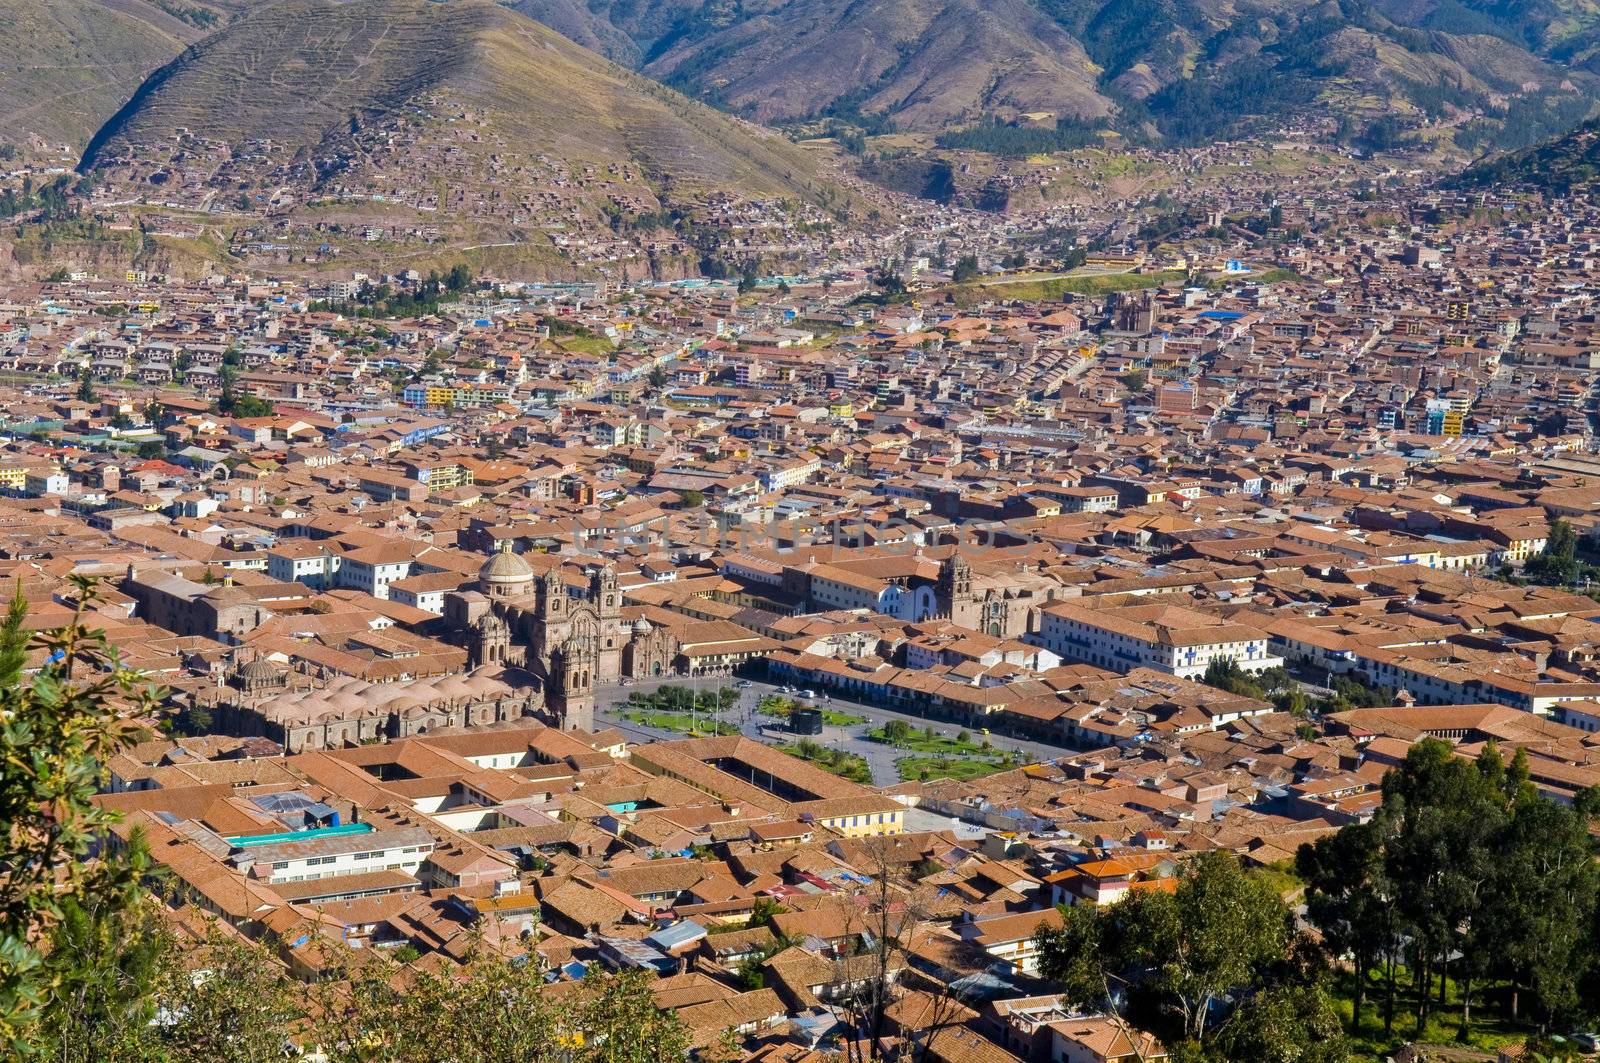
(298, 76)
(929, 64)
(69, 64)
(1192, 68)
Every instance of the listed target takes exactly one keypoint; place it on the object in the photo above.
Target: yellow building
(855, 817)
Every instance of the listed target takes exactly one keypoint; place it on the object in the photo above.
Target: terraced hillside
(69, 64)
(328, 132)
(301, 81)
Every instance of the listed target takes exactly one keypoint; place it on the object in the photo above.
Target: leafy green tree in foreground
(1212, 967)
(495, 1010)
(57, 729)
(236, 1004)
(1465, 873)
(106, 956)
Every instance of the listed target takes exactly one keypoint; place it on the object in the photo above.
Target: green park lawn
(845, 765)
(680, 722)
(778, 706)
(916, 768)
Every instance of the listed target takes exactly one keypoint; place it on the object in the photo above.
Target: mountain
(1555, 166)
(1186, 70)
(302, 75)
(925, 63)
(440, 121)
(71, 63)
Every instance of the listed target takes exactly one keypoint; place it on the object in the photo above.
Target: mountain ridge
(374, 58)
(1184, 70)
(314, 131)
(74, 62)
(1556, 165)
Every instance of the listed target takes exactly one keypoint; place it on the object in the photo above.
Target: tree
(762, 911)
(1283, 1023)
(966, 269)
(885, 921)
(1544, 901)
(1224, 673)
(105, 959)
(1464, 871)
(86, 386)
(491, 1010)
(150, 450)
(235, 1005)
(691, 499)
(57, 730)
(1351, 900)
(889, 282)
(1556, 564)
(1082, 956)
(1216, 932)
(621, 1023)
(897, 732)
(1448, 817)
(1183, 961)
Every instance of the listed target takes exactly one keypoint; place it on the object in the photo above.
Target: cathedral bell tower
(605, 595)
(956, 598)
(571, 693)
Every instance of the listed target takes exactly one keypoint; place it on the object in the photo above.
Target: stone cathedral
(571, 643)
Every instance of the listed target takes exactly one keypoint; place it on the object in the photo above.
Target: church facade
(574, 643)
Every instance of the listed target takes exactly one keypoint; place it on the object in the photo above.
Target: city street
(611, 701)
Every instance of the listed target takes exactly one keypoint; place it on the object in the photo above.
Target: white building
(372, 568)
(306, 856)
(1167, 638)
(304, 561)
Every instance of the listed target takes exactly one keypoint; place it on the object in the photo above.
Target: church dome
(642, 626)
(259, 677)
(259, 671)
(505, 569)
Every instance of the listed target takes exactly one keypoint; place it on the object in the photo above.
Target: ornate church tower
(491, 641)
(604, 594)
(956, 599)
(571, 692)
(606, 598)
(550, 612)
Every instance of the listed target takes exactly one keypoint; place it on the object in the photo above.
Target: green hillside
(1555, 166)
